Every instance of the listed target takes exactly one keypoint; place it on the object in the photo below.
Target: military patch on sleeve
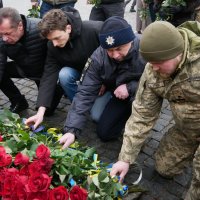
(88, 63)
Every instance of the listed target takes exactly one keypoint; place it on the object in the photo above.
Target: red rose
(10, 183)
(5, 159)
(24, 170)
(38, 196)
(21, 159)
(1, 138)
(39, 182)
(21, 191)
(2, 149)
(59, 193)
(42, 166)
(42, 152)
(78, 193)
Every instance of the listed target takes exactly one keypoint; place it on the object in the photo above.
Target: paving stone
(167, 112)
(148, 150)
(153, 144)
(167, 117)
(157, 135)
(158, 127)
(184, 178)
(162, 121)
(149, 162)
(142, 157)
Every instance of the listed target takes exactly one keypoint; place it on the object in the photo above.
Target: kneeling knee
(103, 135)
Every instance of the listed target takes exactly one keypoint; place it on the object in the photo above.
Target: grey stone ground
(157, 187)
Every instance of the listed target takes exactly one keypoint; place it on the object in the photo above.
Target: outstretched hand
(120, 168)
(67, 139)
(35, 120)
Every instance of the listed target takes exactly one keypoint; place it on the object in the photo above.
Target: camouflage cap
(161, 41)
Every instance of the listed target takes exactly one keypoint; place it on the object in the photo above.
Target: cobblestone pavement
(157, 188)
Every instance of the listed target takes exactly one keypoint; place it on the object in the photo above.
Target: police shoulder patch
(88, 63)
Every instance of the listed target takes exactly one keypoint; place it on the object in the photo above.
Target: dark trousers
(104, 11)
(45, 7)
(7, 85)
(1, 3)
(12, 92)
(113, 118)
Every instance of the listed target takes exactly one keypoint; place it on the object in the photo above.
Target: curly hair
(55, 19)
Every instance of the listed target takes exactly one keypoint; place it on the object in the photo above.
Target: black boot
(19, 106)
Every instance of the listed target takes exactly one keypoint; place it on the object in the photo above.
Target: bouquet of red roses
(34, 167)
(26, 179)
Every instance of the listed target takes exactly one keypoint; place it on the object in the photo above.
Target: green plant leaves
(78, 163)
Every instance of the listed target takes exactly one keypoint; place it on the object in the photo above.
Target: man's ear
(68, 28)
(20, 26)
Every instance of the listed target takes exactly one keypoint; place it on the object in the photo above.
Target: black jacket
(83, 41)
(28, 53)
(101, 69)
(110, 1)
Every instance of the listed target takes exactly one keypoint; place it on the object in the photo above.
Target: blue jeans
(68, 78)
(99, 105)
(45, 7)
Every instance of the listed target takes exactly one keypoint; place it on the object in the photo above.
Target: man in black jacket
(113, 71)
(21, 43)
(71, 43)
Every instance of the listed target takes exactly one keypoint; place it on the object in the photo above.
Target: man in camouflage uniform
(172, 73)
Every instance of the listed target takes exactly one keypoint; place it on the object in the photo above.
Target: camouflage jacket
(182, 91)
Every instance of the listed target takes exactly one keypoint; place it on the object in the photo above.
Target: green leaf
(8, 150)
(97, 195)
(106, 180)
(63, 170)
(62, 178)
(34, 146)
(16, 137)
(89, 153)
(12, 145)
(76, 170)
(108, 198)
(103, 175)
(95, 180)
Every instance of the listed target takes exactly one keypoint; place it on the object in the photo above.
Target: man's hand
(121, 92)
(37, 119)
(67, 139)
(120, 168)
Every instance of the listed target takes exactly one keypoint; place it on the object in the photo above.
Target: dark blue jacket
(101, 69)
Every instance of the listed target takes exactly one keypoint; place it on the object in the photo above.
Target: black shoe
(18, 107)
(132, 9)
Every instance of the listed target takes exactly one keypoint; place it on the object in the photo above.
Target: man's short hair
(53, 20)
(12, 14)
